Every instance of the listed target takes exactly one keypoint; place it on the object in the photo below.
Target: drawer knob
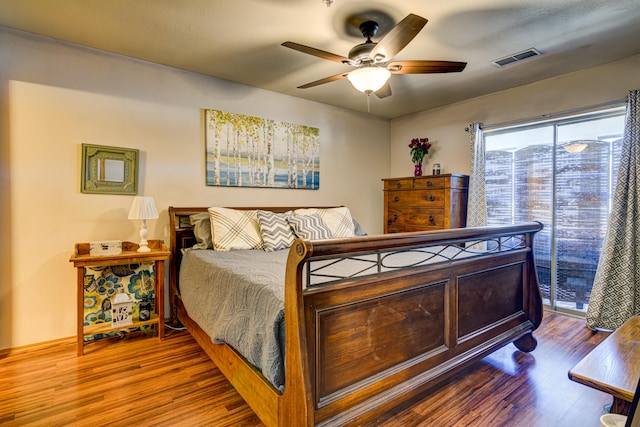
(395, 199)
(428, 183)
(398, 185)
(395, 216)
(431, 198)
(431, 218)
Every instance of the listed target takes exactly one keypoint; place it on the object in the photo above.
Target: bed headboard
(182, 237)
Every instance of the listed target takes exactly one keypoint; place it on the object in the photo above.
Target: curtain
(615, 296)
(477, 200)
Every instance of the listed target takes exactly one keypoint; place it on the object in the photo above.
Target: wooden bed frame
(361, 346)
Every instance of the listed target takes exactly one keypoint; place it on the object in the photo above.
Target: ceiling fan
(373, 60)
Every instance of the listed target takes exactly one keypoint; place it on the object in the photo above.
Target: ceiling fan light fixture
(369, 79)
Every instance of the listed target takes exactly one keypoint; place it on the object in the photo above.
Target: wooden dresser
(425, 202)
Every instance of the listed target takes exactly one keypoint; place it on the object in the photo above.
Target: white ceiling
(240, 40)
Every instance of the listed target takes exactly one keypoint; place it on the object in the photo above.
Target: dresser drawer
(430, 182)
(423, 198)
(410, 228)
(398, 184)
(416, 183)
(421, 217)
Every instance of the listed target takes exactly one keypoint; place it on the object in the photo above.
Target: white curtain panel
(615, 296)
(477, 203)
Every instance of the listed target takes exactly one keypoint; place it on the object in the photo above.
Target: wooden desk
(613, 366)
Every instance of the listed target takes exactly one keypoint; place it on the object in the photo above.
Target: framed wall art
(109, 170)
(245, 151)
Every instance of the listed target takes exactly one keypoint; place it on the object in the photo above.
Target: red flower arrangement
(419, 148)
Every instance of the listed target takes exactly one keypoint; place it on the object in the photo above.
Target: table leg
(620, 406)
(80, 310)
(159, 273)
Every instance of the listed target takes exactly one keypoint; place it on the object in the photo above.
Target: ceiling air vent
(529, 53)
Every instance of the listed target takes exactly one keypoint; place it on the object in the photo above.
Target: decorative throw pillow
(357, 229)
(310, 227)
(234, 229)
(338, 219)
(202, 230)
(275, 230)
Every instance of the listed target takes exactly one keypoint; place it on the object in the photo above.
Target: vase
(417, 170)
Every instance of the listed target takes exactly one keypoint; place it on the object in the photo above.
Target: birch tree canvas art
(245, 151)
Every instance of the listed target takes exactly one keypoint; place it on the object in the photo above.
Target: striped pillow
(235, 229)
(275, 230)
(338, 220)
(309, 227)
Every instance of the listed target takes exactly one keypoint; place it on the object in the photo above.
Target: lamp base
(143, 247)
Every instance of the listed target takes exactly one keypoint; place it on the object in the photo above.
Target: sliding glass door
(561, 173)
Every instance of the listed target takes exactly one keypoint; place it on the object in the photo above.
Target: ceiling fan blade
(325, 80)
(317, 52)
(398, 37)
(384, 91)
(425, 67)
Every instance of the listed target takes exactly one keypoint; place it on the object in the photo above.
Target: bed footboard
(373, 340)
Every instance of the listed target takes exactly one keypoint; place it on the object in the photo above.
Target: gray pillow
(275, 230)
(358, 231)
(310, 227)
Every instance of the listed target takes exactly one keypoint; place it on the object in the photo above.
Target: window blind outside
(582, 194)
(530, 176)
(534, 202)
(499, 186)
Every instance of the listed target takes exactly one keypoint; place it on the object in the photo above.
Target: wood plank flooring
(140, 381)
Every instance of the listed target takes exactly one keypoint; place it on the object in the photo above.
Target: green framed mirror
(109, 170)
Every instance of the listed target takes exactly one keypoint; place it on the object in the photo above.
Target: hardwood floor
(140, 381)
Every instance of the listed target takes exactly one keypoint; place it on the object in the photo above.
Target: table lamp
(143, 208)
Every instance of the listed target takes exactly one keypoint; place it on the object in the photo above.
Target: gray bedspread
(237, 297)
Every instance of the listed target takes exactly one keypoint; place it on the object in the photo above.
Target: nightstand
(82, 260)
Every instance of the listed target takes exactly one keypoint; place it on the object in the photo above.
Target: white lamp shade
(369, 79)
(143, 208)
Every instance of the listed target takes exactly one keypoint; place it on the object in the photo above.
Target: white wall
(445, 126)
(55, 96)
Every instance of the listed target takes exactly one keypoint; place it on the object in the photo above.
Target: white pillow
(338, 220)
(235, 229)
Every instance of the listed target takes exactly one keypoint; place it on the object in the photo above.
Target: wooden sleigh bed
(360, 345)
